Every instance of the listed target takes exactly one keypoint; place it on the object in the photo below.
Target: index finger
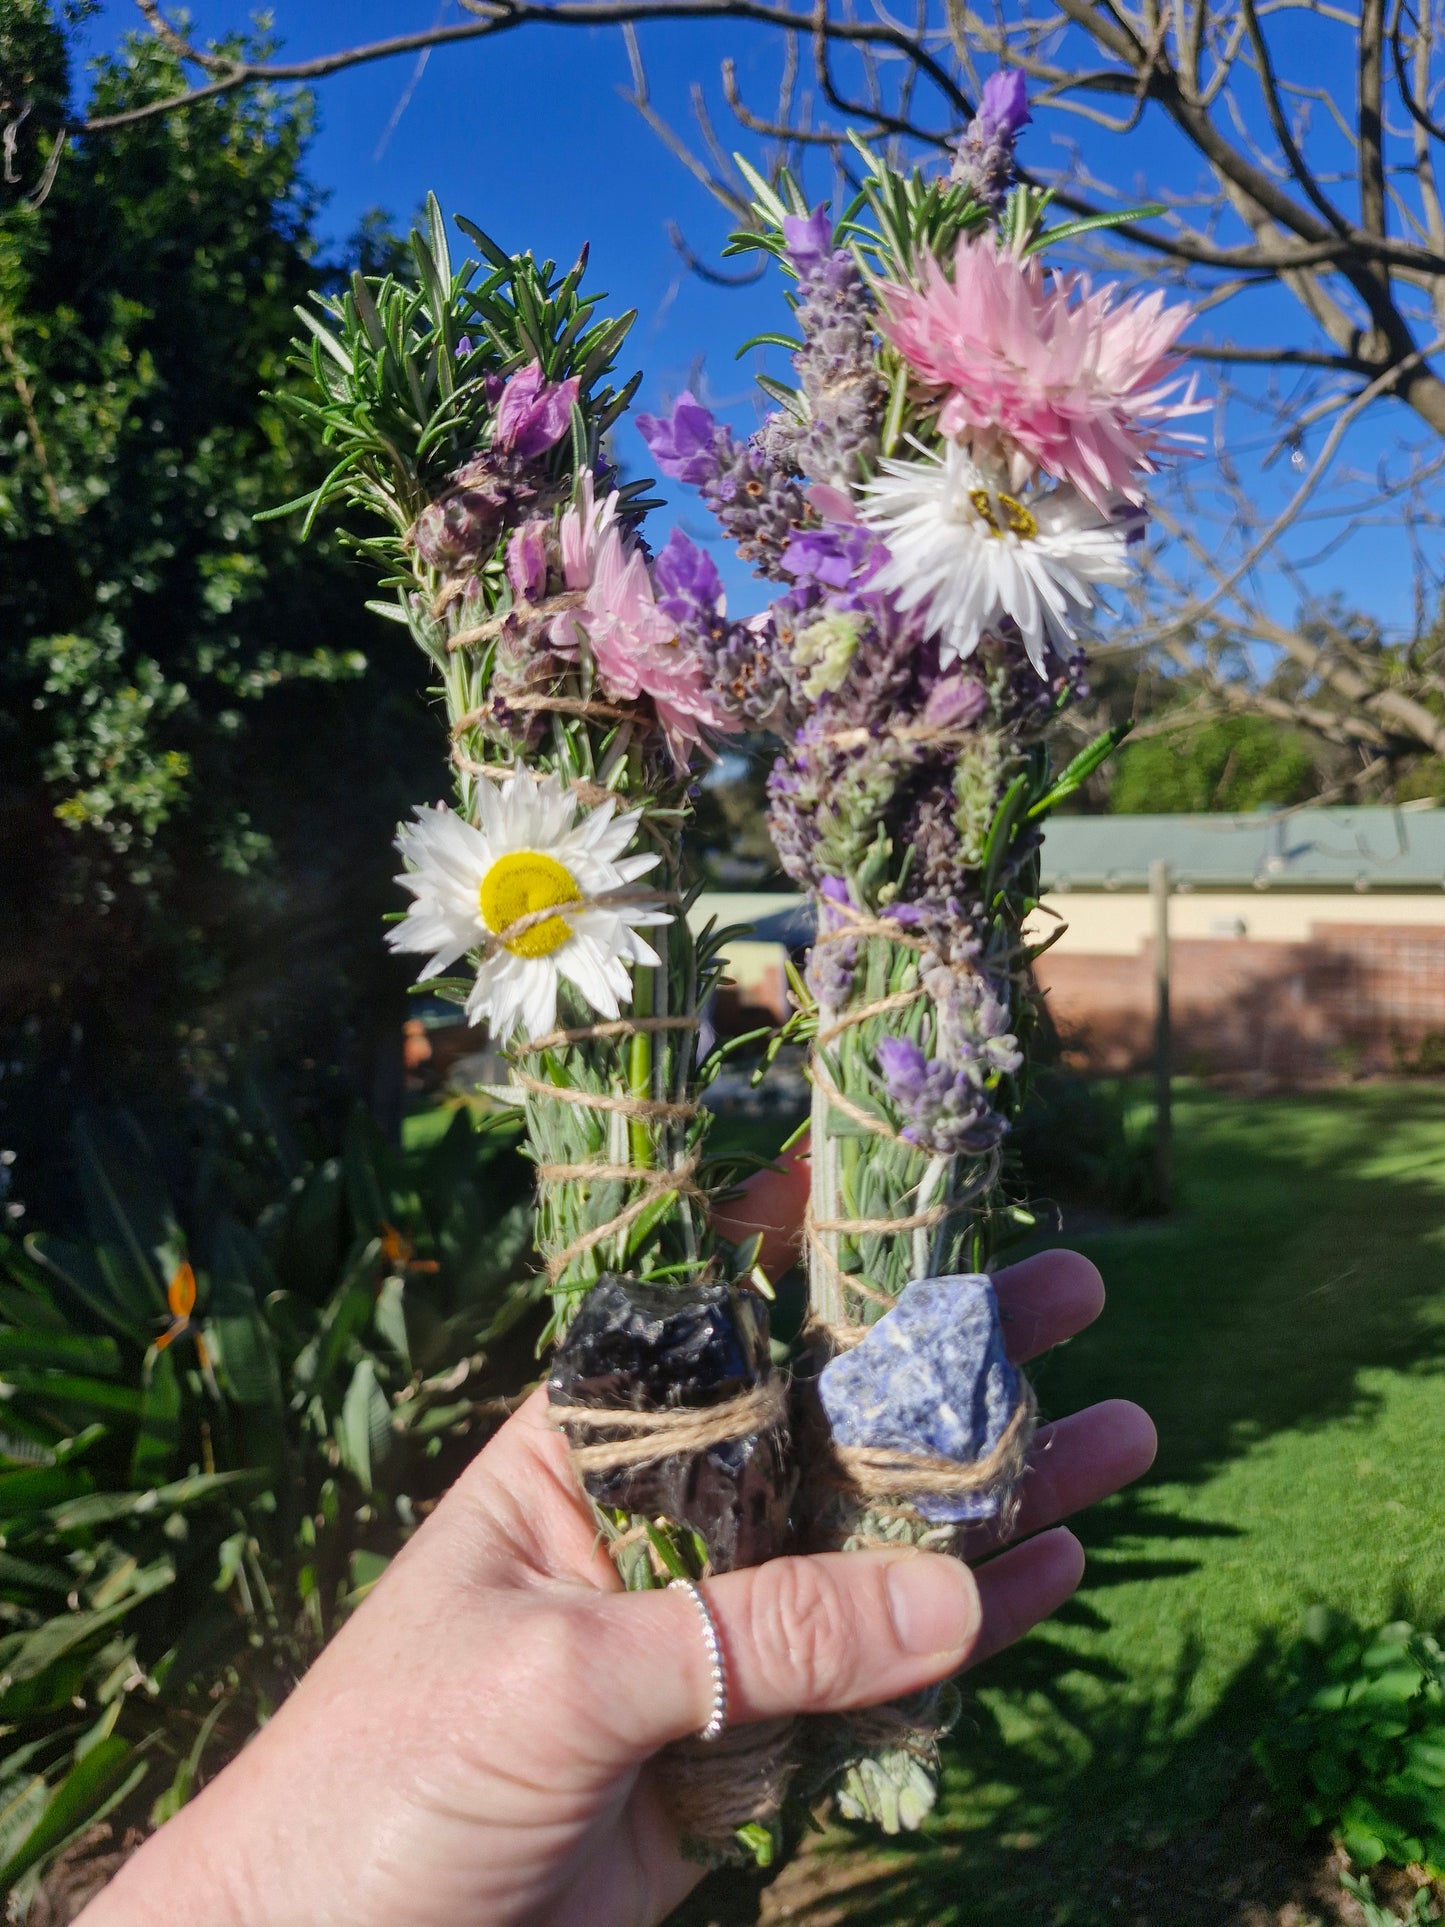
(1047, 1299)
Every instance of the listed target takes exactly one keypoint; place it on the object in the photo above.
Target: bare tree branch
(1294, 146)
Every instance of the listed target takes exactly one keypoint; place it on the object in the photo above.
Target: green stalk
(639, 1067)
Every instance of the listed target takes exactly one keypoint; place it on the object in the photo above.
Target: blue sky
(529, 135)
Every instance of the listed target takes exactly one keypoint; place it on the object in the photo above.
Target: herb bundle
(940, 496)
(467, 413)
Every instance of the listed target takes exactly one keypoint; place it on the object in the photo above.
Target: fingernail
(934, 1603)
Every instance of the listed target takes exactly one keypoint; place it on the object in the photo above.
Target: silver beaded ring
(718, 1718)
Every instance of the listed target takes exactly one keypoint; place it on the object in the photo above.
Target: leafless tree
(1292, 149)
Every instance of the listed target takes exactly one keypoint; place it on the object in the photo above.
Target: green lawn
(1286, 1327)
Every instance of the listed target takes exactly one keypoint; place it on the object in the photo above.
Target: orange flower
(181, 1297)
(397, 1251)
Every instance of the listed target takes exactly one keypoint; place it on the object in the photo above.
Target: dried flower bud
(527, 559)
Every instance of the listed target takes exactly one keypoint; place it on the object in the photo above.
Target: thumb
(798, 1635)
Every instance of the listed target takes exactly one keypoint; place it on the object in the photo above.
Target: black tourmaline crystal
(651, 1348)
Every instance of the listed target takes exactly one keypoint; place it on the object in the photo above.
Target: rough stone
(653, 1347)
(931, 1377)
(650, 1348)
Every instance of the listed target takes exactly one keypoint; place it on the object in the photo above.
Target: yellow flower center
(519, 885)
(1016, 518)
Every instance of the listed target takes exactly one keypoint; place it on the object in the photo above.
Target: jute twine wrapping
(914, 1725)
(886, 1481)
(682, 1432)
(713, 1787)
(852, 1488)
(650, 1181)
(853, 925)
(717, 1786)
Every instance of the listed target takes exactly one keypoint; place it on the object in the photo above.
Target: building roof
(1374, 850)
(1324, 849)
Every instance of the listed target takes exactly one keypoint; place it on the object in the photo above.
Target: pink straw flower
(580, 535)
(636, 647)
(1044, 372)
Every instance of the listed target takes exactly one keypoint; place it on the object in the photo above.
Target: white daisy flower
(974, 555)
(475, 884)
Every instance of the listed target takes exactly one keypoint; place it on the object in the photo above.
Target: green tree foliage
(1229, 763)
(204, 740)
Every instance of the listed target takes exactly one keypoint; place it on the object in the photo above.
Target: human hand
(474, 1746)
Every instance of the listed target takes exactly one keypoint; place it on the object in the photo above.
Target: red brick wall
(1353, 996)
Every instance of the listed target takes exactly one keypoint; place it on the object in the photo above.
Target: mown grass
(1286, 1327)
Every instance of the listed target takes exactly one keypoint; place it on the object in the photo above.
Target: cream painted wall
(1116, 923)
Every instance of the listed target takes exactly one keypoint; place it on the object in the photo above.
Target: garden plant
(215, 1435)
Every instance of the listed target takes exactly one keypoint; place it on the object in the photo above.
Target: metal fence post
(1160, 885)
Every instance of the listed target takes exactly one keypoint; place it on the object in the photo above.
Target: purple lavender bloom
(1005, 103)
(685, 446)
(838, 560)
(955, 702)
(904, 1068)
(527, 560)
(685, 578)
(830, 966)
(533, 414)
(463, 348)
(984, 163)
(809, 240)
(837, 368)
(943, 1110)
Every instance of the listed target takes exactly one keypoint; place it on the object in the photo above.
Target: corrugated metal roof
(1325, 849)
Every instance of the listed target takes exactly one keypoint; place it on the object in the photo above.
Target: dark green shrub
(192, 1498)
(1357, 1743)
(1426, 1059)
(1076, 1144)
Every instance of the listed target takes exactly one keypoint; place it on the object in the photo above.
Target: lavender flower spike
(984, 163)
(1005, 103)
(943, 1110)
(686, 582)
(809, 240)
(837, 365)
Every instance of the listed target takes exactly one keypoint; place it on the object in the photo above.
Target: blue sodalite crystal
(931, 1377)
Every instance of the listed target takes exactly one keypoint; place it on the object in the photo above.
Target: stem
(825, 1287)
(639, 1067)
(640, 1052)
(930, 1186)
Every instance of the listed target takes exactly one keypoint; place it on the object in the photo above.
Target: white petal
(539, 1011)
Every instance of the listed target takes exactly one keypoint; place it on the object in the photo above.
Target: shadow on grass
(1102, 1785)
(1305, 1252)
(1085, 1806)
